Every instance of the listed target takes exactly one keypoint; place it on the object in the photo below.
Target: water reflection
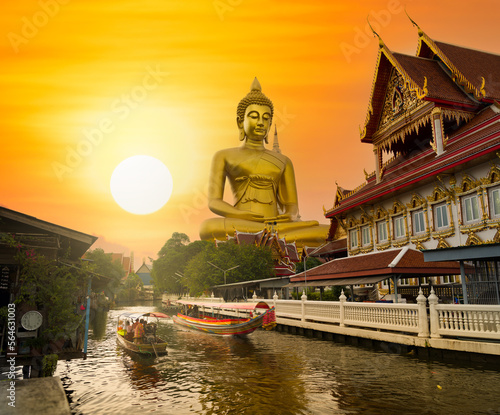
(235, 376)
(98, 323)
(267, 373)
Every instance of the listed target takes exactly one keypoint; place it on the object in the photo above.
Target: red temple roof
(403, 261)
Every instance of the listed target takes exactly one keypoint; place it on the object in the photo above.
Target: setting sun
(141, 184)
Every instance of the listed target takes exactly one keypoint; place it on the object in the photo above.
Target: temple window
(399, 227)
(441, 219)
(382, 231)
(495, 202)
(470, 206)
(365, 235)
(353, 238)
(418, 222)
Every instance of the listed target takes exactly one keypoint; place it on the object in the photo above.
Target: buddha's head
(255, 98)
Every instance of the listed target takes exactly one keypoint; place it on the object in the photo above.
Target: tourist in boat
(139, 332)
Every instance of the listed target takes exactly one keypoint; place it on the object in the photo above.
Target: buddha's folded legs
(308, 233)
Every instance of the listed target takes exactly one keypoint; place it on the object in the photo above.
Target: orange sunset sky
(72, 69)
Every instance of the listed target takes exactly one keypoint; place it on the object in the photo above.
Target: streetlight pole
(305, 273)
(224, 271)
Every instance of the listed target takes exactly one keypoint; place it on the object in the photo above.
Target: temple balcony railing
(435, 320)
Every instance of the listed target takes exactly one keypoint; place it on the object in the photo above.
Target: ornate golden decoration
(351, 222)
(416, 201)
(442, 244)
(399, 99)
(419, 246)
(457, 76)
(397, 208)
(493, 175)
(407, 129)
(409, 83)
(444, 234)
(475, 227)
(496, 238)
(482, 90)
(384, 246)
(468, 184)
(397, 243)
(473, 239)
(438, 194)
(457, 115)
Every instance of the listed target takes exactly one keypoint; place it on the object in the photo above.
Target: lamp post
(305, 274)
(224, 271)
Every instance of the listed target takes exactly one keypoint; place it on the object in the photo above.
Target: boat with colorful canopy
(151, 344)
(224, 318)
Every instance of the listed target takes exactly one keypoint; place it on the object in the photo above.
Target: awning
(339, 281)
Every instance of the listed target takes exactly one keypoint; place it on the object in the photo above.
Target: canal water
(267, 373)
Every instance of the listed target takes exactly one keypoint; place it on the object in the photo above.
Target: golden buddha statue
(262, 181)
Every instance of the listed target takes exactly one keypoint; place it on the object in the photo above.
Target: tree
(177, 240)
(131, 288)
(172, 260)
(102, 263)
(311, 262)
(253, 263)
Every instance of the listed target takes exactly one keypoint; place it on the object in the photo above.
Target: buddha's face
(256, 122)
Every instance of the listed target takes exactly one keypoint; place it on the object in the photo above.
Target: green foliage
(184, 266)
(131, 288)
(253, 263)
(49, 364)
(311, 262)
(49, 286)
(172, 261)
(102, 263)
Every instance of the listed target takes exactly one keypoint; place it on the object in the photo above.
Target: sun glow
(141, 184)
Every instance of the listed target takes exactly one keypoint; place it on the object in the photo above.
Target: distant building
(127, 263)
(144, 273)
(434, 124)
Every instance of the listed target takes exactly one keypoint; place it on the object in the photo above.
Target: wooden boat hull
(143, 348)
(225, 327)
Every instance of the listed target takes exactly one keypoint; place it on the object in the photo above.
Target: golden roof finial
(380, 41)
(420, 31)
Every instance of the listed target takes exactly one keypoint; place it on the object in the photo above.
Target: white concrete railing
(455, 320)
(394, 317)
(460, 320)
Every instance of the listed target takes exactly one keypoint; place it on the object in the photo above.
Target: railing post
(423, 322)
(304, 299)
(434, 317)
(342, 299)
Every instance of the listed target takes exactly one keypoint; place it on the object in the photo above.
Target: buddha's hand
(279, 218)
(246, 215)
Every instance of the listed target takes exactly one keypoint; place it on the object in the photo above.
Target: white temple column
(437, 131)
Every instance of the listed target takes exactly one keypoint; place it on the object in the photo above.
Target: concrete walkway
(40, 396)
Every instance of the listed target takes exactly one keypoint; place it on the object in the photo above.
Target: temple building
(433, 122)
(284, 254)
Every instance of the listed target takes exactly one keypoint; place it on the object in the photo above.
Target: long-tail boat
(151, 343)
(224, 319)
